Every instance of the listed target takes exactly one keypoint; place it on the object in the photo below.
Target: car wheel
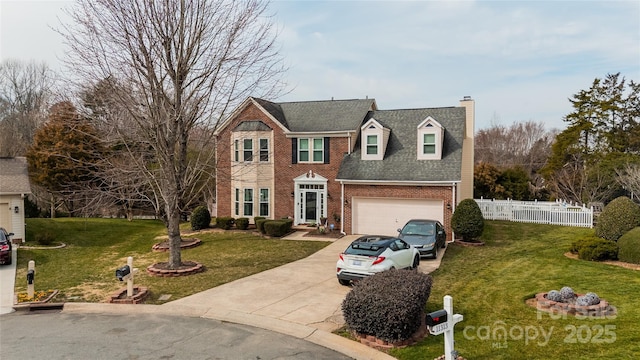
(344, 282)
(416, 262)
(435, 252)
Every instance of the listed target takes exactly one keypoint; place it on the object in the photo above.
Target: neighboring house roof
(400, 158)
(320, 116)
(14, 176)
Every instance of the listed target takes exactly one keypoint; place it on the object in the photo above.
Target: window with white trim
(429, 144)
(236, 202)
(264, 203)
(372, 144)
(311, 150)
(248, 202)
(236, 150)
(247, 150)
(264, 150)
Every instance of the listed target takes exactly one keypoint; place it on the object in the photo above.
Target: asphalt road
(54, 335)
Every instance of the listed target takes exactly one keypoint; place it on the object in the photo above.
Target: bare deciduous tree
(525, 144)
(629, 178)
(186, 64)
(25, 91)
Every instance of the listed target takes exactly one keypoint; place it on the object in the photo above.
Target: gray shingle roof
(320, 116)
(400, 160)
(14, 176)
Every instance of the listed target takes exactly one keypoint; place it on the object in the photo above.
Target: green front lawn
(490, 284)
(84, 270)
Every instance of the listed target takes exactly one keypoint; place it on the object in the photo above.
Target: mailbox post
(31, 274)
(126, 273)
(442, 322)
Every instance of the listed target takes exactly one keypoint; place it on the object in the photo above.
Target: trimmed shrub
(200, 218)
(629, 246)
(595, 249)
(467, 220)
(260, 225)
(242, 223)
(277, 228)
(224, 222)
(388, 305)
(618, 217)
(45, 238)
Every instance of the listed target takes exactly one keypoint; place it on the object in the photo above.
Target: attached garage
(383, 216)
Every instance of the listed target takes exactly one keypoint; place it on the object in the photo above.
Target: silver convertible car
(426, 235)
(372, 254)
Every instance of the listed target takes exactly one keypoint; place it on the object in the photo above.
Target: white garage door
(383, 216)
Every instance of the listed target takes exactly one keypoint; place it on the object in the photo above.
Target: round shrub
(200, 218)
(388, 305)
(629, 247)
(554, 295)
(567, 294)
(618, 217)
(467, 220)
(45, 238)
(588, 299)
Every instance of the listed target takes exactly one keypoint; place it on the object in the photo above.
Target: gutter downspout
(453, 208)
(342, 208)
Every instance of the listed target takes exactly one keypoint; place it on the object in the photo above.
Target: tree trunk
(173, 230)
(53, 207)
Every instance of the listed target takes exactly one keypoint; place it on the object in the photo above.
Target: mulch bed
(184, 244)
(162, 269)
(609, 262)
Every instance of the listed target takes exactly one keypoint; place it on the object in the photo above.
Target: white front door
(310, 198)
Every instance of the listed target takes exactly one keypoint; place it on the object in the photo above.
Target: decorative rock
(554, 295)
(567, 294)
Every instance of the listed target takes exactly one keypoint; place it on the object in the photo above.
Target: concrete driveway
(7, 283)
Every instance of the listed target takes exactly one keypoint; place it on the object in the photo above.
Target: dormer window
(430, 140)
(372, 144)
(429, 144)
(374, 140)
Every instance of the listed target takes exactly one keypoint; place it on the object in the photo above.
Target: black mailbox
(436, 317)
(30, 276)
(122, 272)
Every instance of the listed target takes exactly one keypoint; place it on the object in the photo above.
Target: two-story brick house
(366, 170)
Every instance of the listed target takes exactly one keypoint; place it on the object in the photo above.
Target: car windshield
(418, 229)
(3, 238)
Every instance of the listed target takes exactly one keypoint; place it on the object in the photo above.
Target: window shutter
(327, 150)
(294, 151)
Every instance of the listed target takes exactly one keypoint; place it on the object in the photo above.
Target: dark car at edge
(425, 235)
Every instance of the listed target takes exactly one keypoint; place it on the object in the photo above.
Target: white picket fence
(539, 212)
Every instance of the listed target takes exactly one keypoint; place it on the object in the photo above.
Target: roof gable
(14, 176)
(330, 115)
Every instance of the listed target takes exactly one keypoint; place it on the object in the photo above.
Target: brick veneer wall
(284, 170)
(443, 193)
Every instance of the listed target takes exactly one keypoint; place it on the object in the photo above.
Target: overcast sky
(519, 60)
